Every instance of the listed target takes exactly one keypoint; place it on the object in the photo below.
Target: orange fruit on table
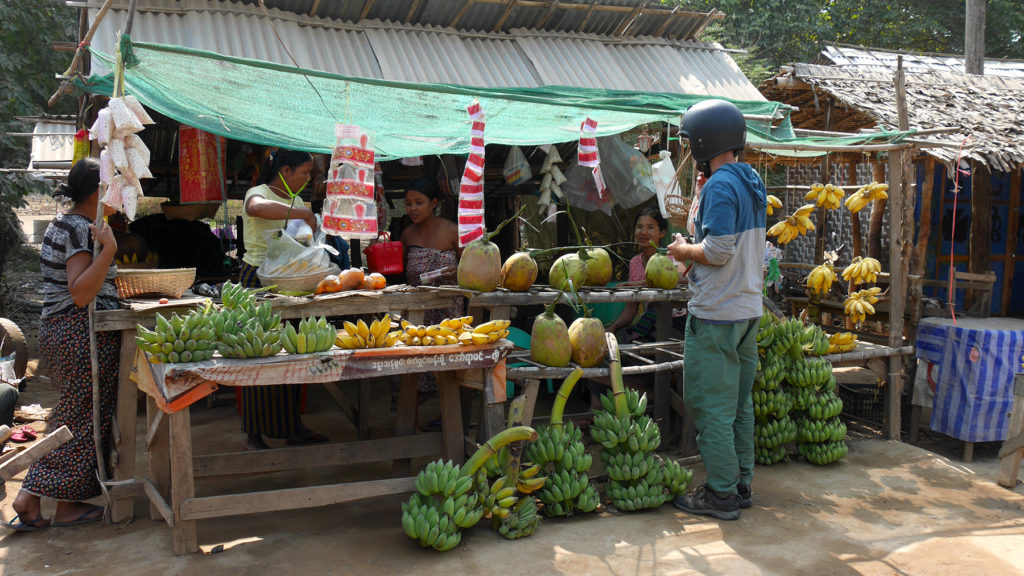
(377, 281)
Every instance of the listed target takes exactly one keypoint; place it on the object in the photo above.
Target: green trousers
(721, 361)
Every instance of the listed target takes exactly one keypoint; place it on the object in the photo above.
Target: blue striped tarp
(975, 362)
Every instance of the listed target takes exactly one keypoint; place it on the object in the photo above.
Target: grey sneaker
(743, 491)
(703, 501)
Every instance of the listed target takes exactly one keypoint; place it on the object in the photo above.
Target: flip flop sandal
(88, 517)
(24, 434)
(18, 525)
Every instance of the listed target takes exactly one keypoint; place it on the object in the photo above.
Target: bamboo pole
(897, 279)
(64, 85)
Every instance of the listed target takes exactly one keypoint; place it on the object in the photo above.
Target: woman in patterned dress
(274, 411)
(73, 277)
(431, 244)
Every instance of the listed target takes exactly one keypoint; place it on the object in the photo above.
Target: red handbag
(385, 257)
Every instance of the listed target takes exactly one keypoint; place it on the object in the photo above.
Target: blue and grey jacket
(730, 227)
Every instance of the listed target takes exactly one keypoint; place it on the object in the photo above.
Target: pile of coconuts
(554, 343)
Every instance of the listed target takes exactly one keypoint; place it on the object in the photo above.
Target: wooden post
(821, 232)
(1010, 453)
(1012, 231)
(125, 418)
(897, 277)
(974, 37)
(855, 230)
(981, 225)
(158, 447)
(877, 213)
(917, 263)
(183, 486)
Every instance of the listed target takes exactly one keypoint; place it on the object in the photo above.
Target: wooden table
(174, 468)
(411, 302)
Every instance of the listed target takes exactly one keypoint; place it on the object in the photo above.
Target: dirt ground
(889, 508)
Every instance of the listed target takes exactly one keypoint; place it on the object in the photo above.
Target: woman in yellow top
(274, 411)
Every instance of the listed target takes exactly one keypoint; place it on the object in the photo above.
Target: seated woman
(636, 321)
(72, 277)
(431, 245)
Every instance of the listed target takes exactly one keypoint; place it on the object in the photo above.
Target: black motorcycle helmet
(713, 127)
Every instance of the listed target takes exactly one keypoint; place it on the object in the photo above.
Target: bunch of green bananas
(638, 478)
(450, 497)
(789, 339)
(774, 433)
(248, 332)
(811, 431)
(769, 456)
(236, 296)
(188, 339)
(815, 341)
(442, 506)
(809, 372)
(822, 453)
(770, 404)
(771, 371)
(497, 497)
(824, 406)
(314, 335)
(522, 522)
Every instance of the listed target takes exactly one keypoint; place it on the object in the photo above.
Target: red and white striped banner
(471, 190)
(588, 156)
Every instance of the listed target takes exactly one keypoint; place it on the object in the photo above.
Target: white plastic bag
(287, 257)
(665, 183)
(517, 169)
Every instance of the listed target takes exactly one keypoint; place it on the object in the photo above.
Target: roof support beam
(315, 8)
(508, 12)
(461, 13)
(668, 20)
(629, 20)
(586, 17)
(544, 19)
(412, 11)
(366, 9)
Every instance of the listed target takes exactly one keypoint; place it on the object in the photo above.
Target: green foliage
(27, 66)
(778, 32)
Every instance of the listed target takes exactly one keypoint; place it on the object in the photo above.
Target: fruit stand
(410, 302)
(173, 468)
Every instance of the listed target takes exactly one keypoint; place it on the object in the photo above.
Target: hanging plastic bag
(517, 168)
(288, 257)
(626, 171)
(580, 190)
(665, 183)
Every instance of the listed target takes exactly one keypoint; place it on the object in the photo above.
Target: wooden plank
(157, 503)
(126, 416)
(290, 498)
(532, 390)
(405, 419)
(545, 295)
(1010, 453)
(451, 417)
(153, 428)
(159, 456)
(182, 481)
(1010, 266)
(980, 241)
(33, 453)
(310, 456)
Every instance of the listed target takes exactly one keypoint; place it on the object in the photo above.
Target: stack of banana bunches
(794, 393)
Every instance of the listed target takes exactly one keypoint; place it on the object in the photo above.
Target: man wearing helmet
(725, 307)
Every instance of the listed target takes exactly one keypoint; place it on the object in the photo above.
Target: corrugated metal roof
(392, 51)
(478, 15)
(885, 61)
(52, 142)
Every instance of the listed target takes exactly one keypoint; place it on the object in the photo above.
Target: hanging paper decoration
(126, 158)
(350, 209)
(471, 190)
(588, 155)
(198, 173)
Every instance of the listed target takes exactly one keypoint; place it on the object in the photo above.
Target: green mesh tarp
(272, 104)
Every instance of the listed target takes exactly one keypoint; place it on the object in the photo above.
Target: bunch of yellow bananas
(859, 304)
(773, 204)
(862, 270)
(865, 194)
(820, 280)
(841, 342)
(486, 333)
(796, 225)
(825, 195)
(362, 335)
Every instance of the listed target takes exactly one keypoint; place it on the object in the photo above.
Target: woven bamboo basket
(677, 205)
(303, 283)
(171, 282)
